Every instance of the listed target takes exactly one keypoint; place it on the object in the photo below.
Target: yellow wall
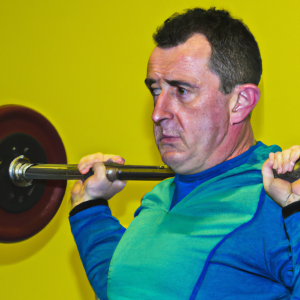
(82, 63)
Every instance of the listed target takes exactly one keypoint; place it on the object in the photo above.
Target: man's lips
(165, 138)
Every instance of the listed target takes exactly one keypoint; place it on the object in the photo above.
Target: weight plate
(24, 211)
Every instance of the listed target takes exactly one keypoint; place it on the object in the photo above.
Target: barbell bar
(22, 172)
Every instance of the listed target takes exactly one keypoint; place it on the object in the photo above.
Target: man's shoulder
(261, 153)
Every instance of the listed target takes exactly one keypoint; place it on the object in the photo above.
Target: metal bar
(22, 172)
(55, 172)
(113, 172)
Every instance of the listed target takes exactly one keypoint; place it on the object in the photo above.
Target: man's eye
(182, 91)
(156, 92)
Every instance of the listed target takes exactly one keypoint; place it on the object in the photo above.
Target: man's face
(191, 115)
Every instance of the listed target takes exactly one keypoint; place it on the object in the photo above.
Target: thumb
(267, 173)
(76, 188)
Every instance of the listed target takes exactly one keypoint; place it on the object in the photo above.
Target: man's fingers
(88, 161)
(291, 166)
(272, 157)
(285, 161)
(295, 155)
(286, 155)
(114, 158)
(278, 162)
(290, 157)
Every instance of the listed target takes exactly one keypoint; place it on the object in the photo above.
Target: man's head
(196, 123)
(235, 56)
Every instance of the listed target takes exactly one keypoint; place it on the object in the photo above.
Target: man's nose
(162, 109)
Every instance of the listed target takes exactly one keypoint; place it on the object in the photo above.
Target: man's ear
(245, 98)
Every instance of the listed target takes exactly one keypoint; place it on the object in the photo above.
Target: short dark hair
(235, 55)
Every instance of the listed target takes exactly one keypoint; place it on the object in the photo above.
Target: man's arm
(96, 232)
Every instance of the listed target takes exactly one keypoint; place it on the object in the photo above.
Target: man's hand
(97, 186)
(281, 191)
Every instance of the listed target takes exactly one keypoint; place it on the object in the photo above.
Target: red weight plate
(16, 227)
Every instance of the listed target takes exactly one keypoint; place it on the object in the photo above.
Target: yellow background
(82, 63)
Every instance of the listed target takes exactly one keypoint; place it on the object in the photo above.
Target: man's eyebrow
(149, 82)
(179, 83)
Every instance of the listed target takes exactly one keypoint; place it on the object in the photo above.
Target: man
(212, 232)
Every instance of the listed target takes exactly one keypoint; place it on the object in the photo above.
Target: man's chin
(173, 160)
(180, 163)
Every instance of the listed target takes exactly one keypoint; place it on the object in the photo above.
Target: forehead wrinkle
(186, 62)
(185, 70)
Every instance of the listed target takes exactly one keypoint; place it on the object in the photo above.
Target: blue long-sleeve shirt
(219, 242)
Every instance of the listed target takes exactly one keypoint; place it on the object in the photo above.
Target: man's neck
(244, 141)
(238, 140)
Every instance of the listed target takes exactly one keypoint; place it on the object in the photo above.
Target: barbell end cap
(17, 169)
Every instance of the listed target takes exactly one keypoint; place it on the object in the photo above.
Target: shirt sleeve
(292, 225)
(97, 234)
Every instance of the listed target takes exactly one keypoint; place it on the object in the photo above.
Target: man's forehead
(188, 57)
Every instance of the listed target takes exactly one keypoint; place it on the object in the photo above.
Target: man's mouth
(166, 138)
